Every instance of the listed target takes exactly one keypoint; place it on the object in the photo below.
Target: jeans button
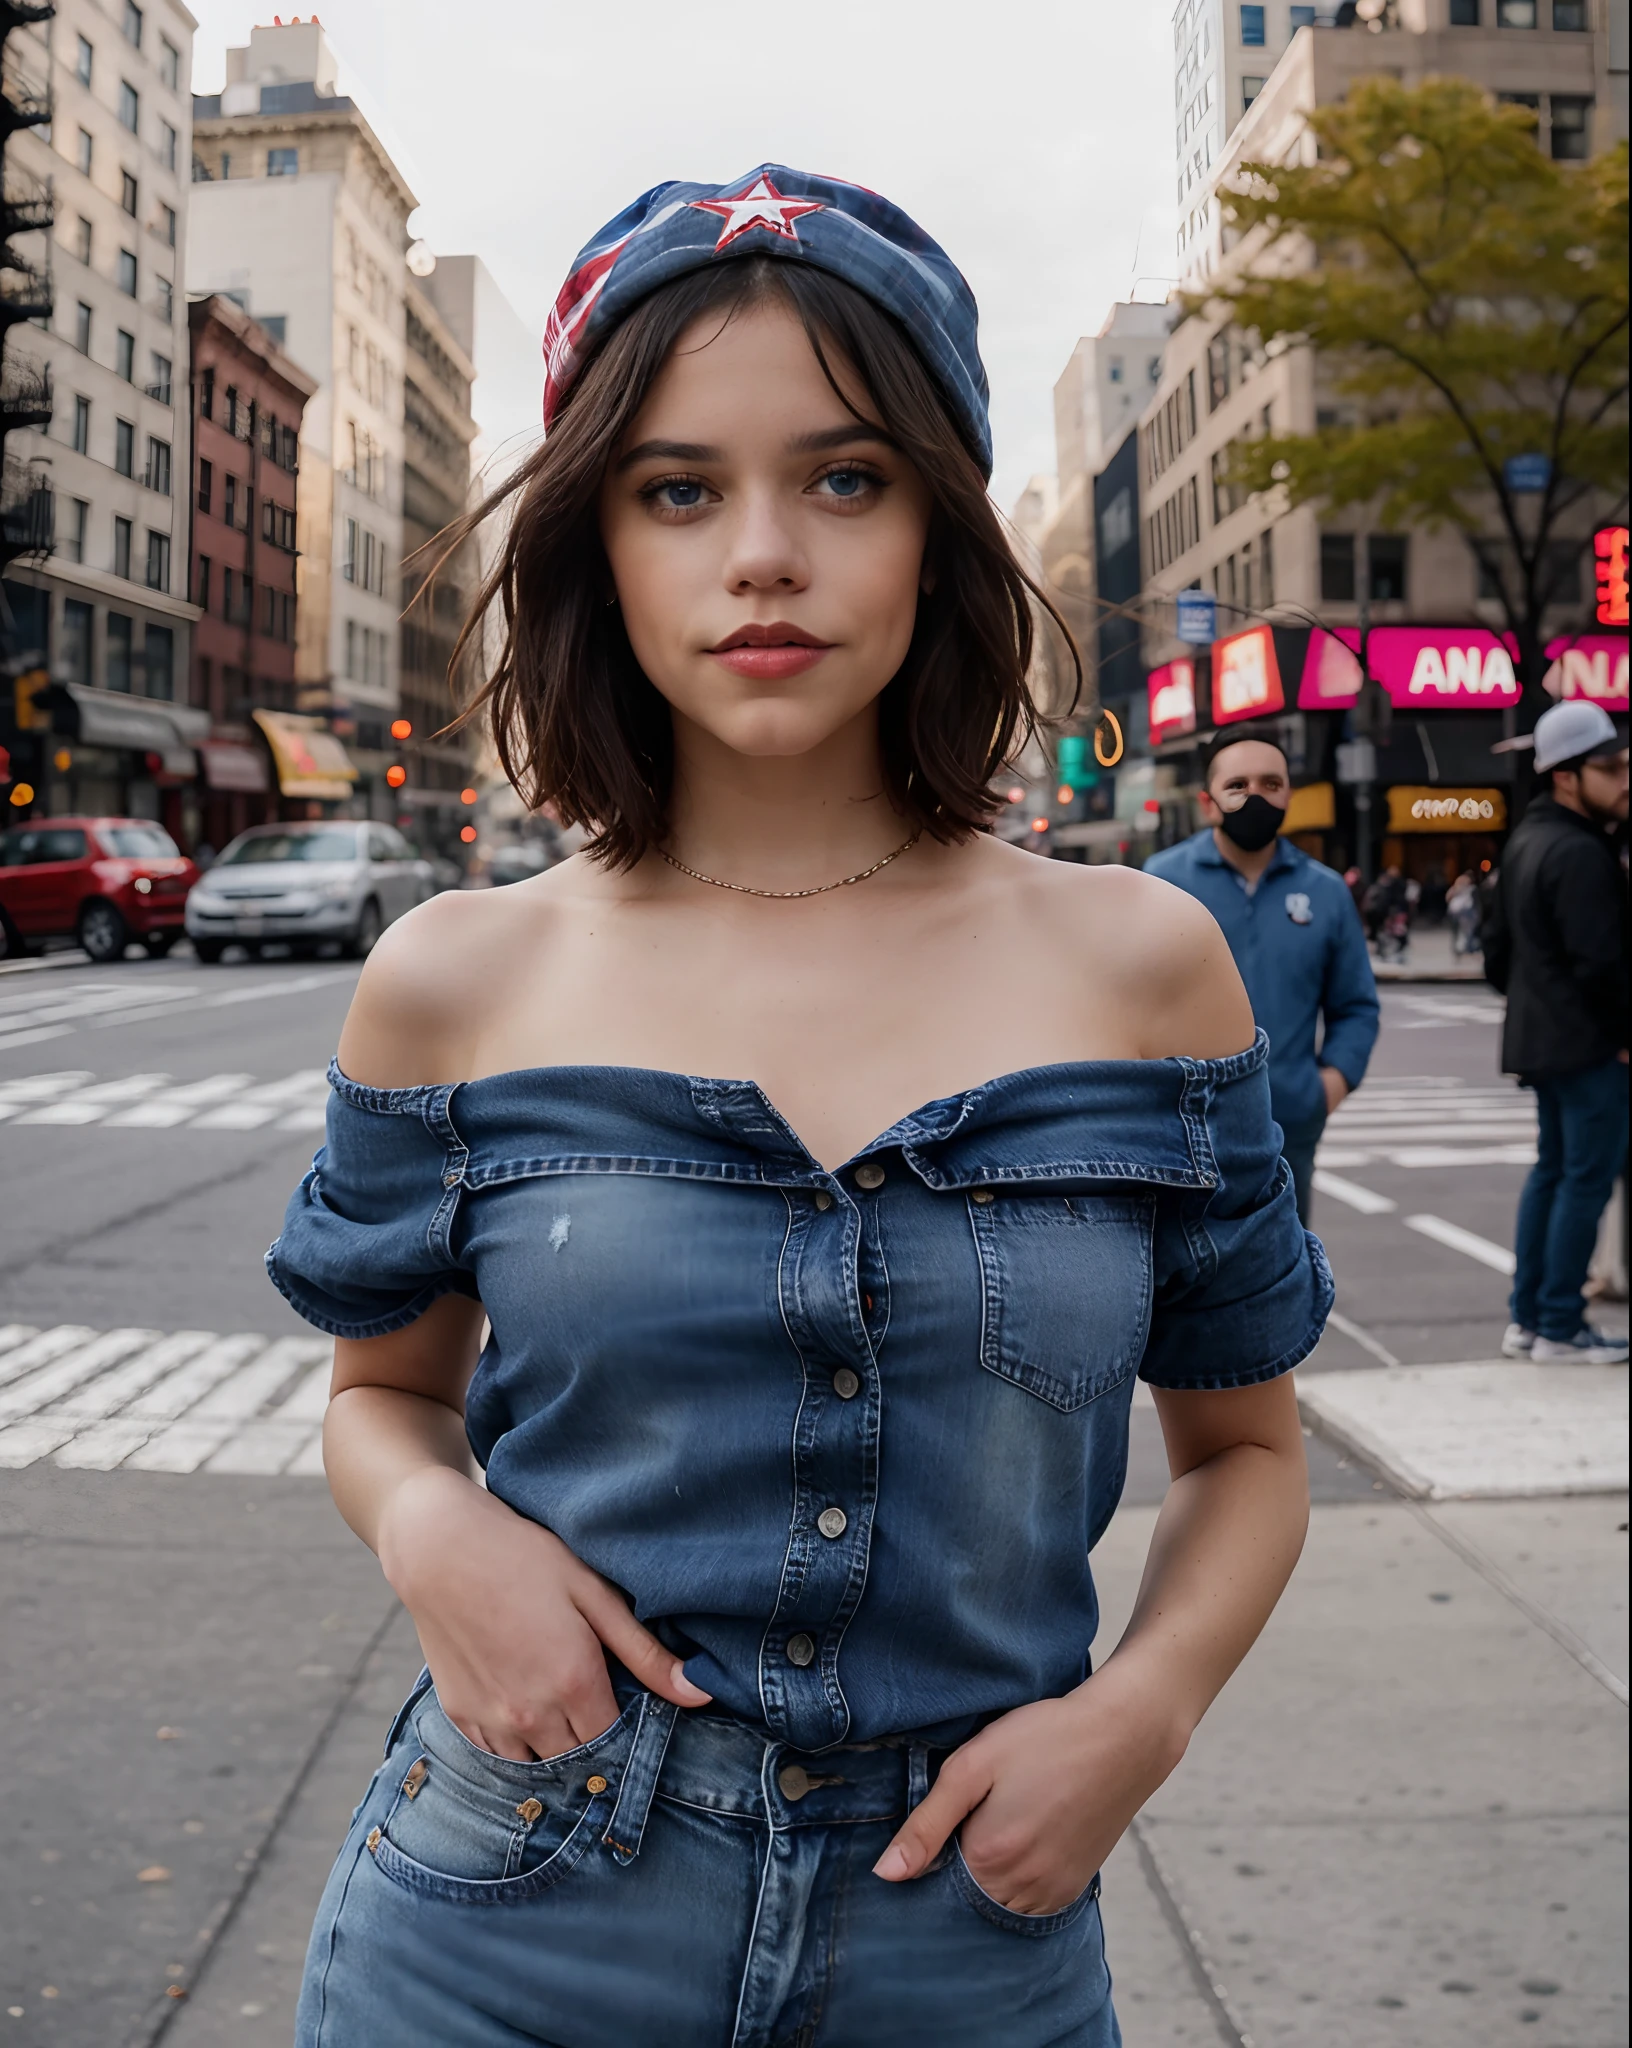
(869, 1175)
(793, 1781)
(832, 1522)
(801, 1651)
(846, 1384)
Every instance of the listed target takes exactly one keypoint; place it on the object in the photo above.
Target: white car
(305, 886)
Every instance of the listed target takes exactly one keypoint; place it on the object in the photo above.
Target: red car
(102, 881)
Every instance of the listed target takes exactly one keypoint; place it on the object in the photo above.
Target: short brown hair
(579, 726)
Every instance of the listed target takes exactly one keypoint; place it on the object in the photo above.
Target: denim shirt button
(983, 1196)
(801, 1651)
(823, 1199)
(832, 1522)
(869, 1176)
(846, 1384)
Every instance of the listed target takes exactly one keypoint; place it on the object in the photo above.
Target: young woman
(826, 1171)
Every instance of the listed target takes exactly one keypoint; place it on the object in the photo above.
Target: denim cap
(843, 229)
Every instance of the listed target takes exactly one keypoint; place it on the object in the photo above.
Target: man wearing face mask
(1296, 936)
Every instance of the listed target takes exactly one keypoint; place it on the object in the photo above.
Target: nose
(764, 550)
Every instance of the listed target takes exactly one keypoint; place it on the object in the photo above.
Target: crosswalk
(150, 1401)
(39, 1008)
(74, 1099)
(1431, 1121)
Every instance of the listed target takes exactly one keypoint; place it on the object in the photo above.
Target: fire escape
(26, 208)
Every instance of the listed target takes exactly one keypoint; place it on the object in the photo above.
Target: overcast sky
(1032, 138)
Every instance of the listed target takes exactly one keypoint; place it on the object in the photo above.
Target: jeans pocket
(475, 1829)
(970, 1890)
(1066, 1282)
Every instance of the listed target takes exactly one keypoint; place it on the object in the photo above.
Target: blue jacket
(1298, 942)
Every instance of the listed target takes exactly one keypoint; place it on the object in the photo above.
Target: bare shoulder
(1148, 945)
(435, 973)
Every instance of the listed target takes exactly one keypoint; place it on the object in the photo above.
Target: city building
(300, 216)
(1271, 570)
(107, 607)
(438, 431)
(247, 399)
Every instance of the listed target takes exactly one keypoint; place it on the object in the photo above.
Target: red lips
(770, 653)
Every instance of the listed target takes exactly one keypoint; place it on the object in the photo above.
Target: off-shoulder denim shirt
(846, 1438)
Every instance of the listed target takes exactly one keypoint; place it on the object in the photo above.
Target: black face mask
(1254, 825)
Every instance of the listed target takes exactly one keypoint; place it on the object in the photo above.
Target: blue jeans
(680, 1881)
(1581, 1147)
(1298, 1144)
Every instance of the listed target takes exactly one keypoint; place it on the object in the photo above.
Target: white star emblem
(761, 206)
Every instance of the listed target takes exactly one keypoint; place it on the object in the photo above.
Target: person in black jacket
(1556, 946)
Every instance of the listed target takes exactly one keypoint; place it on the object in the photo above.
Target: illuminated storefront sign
(1172, 701)
(1413, 808)
(1591, 665)
(1423, 668)
(1246, 676)
(1609, 575)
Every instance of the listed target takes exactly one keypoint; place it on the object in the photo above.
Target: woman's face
(766, 545)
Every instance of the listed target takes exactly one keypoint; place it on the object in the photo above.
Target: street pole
(1365, 858)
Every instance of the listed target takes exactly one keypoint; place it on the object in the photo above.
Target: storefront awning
(309, 759)
(230, 765)
(142, 725)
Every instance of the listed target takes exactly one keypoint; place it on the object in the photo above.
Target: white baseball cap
(1573, 730)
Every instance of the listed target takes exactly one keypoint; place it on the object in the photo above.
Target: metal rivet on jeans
(530, 1809)
(983, 1196)
(801, 1651)
(373, 1840)
(416, 1777)
(596, 1785)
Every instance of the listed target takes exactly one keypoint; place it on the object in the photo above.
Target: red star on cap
(761, 206)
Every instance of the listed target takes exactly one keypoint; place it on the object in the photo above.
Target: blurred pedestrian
(1388, 915)
(1556, 946)
(1291, 924)
(1462, 908)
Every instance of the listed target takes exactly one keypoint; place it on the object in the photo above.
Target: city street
(1403, 1824)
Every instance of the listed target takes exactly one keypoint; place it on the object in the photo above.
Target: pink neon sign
(1590, 665)
(1423, 668)
(1246, 676)
(1172, 700)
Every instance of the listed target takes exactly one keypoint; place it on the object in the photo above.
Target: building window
(160, 388)
(76, 639)
(206, 480)
(1266, 569)
(1252, 28)
(130, 106)
(1515, 13)
(201, 583)
(282, 163)
(167, 300)
(1302, 17)
(167, 145)
(169, 63)
(84, 57)
(1464, 13)
(167, 224)
(82, 154)
(79, 517)
(124, 355)
(1570, 15)
(129, 196)
(1386, 559)
(82, 239)
(1250, 89)
(1337, 568)
(1571, 127)
(133, 24)
(276, 325)
(82, 426)
(158, 466)
(82, 328)
(120, 637)
(206, 395)
(1218, 369)
(229, 500)
(160, 657)
(124, 451)
(125, 272)
(1116, 369)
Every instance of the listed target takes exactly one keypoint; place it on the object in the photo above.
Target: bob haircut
(576, 722)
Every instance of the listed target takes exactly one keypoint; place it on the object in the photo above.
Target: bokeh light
(468, 834)
(402, 728)
(396, 776)
(467, 796)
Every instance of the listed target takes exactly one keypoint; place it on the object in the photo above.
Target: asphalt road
(199, 1660)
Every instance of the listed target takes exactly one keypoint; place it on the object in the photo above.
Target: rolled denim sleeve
(368, 1238)
(1348, 999)
(1242, 1290)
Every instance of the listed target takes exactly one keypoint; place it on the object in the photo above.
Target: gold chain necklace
(791, 895)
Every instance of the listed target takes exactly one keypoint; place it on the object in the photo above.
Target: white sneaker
(1517, 1340)
(1586, 1347)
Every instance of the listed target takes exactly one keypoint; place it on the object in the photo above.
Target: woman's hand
(1045, 1793)
(513, 1626)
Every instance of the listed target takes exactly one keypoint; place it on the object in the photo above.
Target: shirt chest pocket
(1066, 1290)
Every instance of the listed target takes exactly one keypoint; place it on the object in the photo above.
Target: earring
(611, 603)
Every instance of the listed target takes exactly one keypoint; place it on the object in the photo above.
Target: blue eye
(847, 483)
(680, 495)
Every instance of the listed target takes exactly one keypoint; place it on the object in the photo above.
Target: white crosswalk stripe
(188, 1401)
(51, 1007)
(75, 1100)
(1430, 1121)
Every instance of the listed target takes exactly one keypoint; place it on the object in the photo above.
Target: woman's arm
(1045, 1793)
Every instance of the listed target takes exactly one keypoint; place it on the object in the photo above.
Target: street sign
(1527, 472)
(1356, 761)
(1198, 617)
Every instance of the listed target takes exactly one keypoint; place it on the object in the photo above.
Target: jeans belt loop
(917, 1774)
(627, 1827)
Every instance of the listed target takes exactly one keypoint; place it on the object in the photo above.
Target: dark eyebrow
(670, 451)
(841, 437)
